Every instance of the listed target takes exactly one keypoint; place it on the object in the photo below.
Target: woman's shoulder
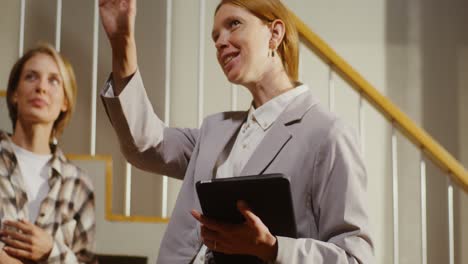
(4, 136)
(7, 155)
(327, 123)
(224, 116)
(318, 117)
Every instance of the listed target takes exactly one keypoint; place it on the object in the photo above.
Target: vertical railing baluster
(167, 98)
(450, 222)
(396, 251)
(234, 97)
(21, 29)
(331, 89)
(301, 63)
(423, 211)
(58, 24)
(361, 118)
(128, 190)
(94, 78)
(201, 62)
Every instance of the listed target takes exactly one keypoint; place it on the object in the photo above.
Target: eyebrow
(213, 34)
(225, 21)
(28, 71)
(54, 74)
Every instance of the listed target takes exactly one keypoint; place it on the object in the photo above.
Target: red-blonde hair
(268, 11)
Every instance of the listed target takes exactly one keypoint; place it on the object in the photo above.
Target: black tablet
(268, 195)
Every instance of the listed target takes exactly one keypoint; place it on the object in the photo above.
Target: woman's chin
(234, 78)
(237, 82)
(37, 117)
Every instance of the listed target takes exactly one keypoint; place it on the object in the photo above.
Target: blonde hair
(69, 85)
(268, 11)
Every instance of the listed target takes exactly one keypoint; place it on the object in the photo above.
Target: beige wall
(357, 31)
(462, 198)
(9, 41)
(443, 33)
(402, 47)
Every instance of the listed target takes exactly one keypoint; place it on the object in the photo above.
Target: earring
(272, 48)
(54, 140)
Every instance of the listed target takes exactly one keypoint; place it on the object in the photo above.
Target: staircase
(417, 188)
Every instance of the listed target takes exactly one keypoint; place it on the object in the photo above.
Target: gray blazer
(307, 143)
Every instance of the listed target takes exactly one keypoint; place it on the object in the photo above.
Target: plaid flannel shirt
(67, 212)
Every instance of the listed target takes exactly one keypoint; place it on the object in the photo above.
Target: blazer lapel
(279, 135)
(217, 140)
(267, 150)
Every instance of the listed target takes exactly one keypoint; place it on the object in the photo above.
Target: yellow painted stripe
(2, 93)
(144, 219)
(438, 154)
(108, 203)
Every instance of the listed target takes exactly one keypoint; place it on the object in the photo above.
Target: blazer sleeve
(145, 140)
(338, 193)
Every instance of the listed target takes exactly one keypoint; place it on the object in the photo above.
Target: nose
(221, 42)
(41, 86)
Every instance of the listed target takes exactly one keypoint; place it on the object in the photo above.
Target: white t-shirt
(34, 169)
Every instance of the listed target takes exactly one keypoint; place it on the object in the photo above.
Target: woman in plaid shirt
(46, 203)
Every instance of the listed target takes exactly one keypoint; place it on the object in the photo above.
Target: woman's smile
(230, 60)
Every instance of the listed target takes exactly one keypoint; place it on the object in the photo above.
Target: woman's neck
(270, 85)
(34, 138)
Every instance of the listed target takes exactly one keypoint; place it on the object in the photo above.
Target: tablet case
(268, 195)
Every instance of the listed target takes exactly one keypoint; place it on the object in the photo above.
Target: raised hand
(25, 240)
(118, 18)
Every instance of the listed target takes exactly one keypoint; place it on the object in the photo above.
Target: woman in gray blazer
(286, 130)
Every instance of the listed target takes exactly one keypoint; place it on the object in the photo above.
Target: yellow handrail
(402, 122)
(2, 93)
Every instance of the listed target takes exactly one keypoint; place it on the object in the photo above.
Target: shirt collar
(8, 156)
(30, 155)
(267, 114)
